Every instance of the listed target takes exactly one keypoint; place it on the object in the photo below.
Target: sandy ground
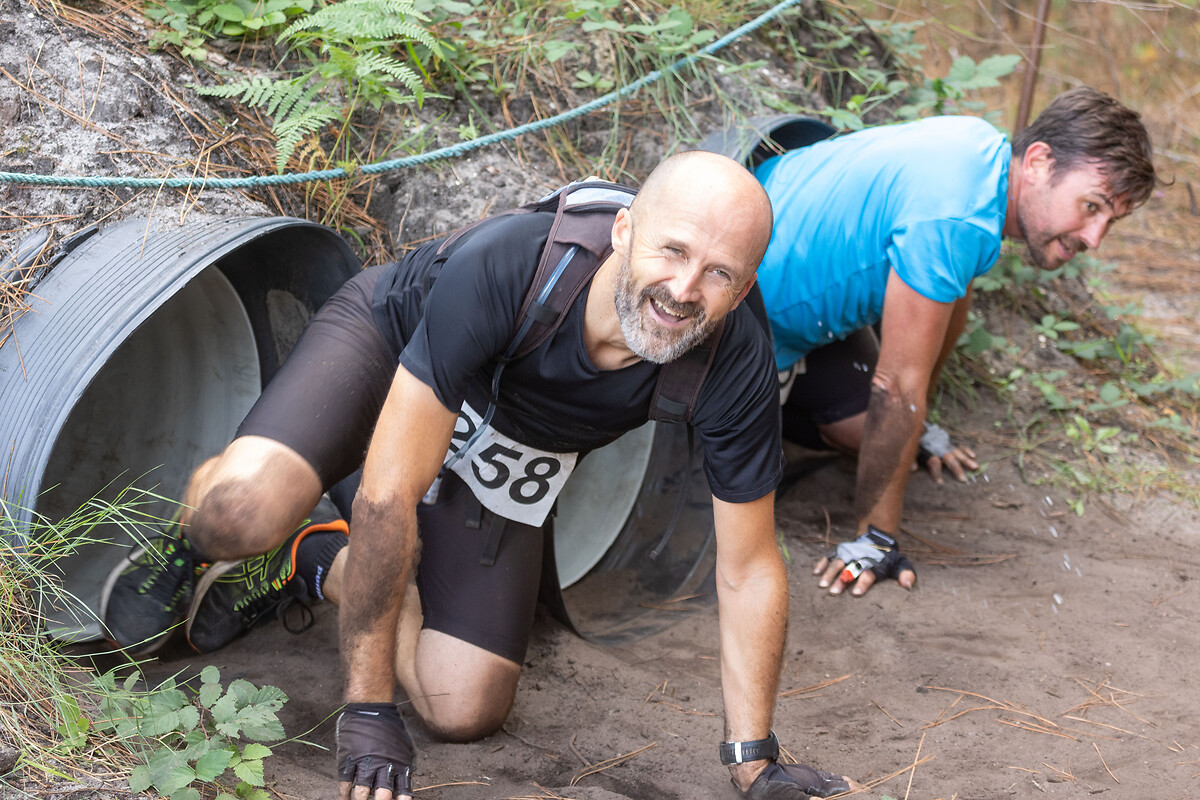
(1066, 668)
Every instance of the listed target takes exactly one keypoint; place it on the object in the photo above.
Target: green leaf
(1110, 393)
(158, 724)
(255, 750)
(212, 764)
(250, 771)
(139, 779)
(269, 695)
(555, 49)
(994, 67)
(605, 25)
(229, 12)
(845, 120)
(209, 694)
(169, 771)
(186, 793)
(978, 341)
(196, 744)
(242, 690)
(210, 675)
(223, 710)
(189, 718)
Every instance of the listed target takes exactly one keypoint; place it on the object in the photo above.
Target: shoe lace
(263, 596)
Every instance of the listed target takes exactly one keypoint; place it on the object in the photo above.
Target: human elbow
(898, 395)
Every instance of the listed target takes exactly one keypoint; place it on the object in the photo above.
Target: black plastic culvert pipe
(143, 349)
(755, 140)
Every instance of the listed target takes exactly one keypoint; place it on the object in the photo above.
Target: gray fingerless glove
(935, 441)
(374, 749)
(876, 551)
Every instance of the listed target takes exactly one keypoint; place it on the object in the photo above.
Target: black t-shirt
(449, 316)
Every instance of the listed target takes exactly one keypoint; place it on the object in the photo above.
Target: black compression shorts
(835, 385)
(469, 592)
(324, 402)
(326, 398)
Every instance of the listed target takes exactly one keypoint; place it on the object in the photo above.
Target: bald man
(403, 364)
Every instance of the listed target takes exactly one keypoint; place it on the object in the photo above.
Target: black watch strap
(758, 750)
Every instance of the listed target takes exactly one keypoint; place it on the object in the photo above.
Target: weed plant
(1103, 413)
(41, 711)
(347, 64)
(70, 726)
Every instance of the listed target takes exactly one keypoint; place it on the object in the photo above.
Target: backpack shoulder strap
(679, 381)
(579, 241)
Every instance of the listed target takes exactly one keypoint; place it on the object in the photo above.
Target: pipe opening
(171, 395)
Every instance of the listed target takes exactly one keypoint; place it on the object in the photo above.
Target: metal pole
(1031, 74)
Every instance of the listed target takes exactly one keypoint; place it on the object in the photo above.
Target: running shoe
(147, 594)
(234, 596)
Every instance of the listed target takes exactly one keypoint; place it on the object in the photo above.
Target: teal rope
(452, 151)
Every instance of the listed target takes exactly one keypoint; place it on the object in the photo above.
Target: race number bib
(511, 479)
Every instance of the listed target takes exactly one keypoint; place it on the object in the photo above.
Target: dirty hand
(796, 781)
(938, 452)
(374, 753)
(868, 558)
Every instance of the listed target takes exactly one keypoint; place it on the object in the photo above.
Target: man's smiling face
(678, 279)
(1064, 213)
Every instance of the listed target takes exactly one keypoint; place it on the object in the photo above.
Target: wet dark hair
(1085, 126)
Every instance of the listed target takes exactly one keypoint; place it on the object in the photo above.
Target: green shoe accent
(234, 596)
(147, 594)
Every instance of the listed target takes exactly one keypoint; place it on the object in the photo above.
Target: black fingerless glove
(874, 550)
(793, 782)
(374, 749)
(893, 562)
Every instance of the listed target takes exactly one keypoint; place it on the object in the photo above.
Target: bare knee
(463, 692)
(462, 721)
(248, 499)
(844, 435)
(230, 523)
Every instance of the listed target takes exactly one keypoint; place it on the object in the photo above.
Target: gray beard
(656, 346)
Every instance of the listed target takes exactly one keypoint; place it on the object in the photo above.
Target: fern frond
(389, 21)
(372, 64)
(289, 132)
(252, 92)
(301, 96)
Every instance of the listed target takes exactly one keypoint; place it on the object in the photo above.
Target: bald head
(716, 188)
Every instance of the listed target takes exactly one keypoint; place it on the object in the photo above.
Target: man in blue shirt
(890, 225)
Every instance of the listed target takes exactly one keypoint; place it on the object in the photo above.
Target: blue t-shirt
(925, 198)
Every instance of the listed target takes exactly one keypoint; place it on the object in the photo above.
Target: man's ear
(622, 232)
(1037, 165)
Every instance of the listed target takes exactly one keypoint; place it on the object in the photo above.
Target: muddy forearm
(379, 564)
(889, 445)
